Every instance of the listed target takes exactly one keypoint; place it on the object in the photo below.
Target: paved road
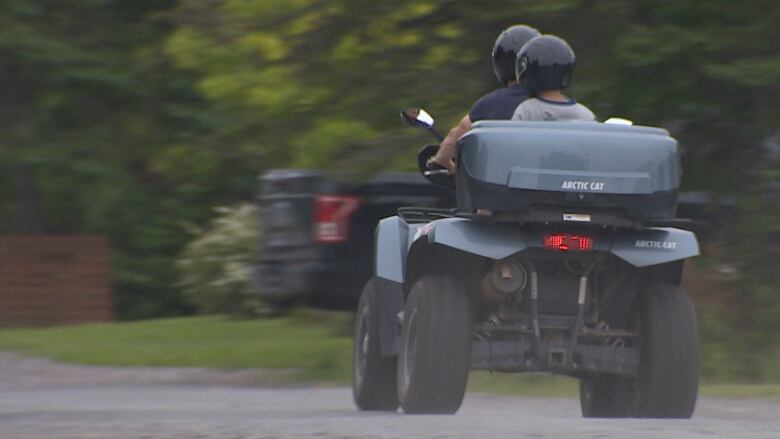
(42, 400)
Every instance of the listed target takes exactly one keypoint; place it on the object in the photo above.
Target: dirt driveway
(40, 399)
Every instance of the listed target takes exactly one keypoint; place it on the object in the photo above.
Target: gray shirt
(543, 109)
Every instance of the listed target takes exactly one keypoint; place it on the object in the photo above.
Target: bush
(215, 267)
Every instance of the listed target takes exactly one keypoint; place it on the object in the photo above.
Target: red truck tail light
(331, 217)
(567, 241)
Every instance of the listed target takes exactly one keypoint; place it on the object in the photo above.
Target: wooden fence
(54, 279)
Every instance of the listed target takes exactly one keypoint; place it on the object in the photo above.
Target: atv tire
(668, 382)
(435, 357)
(373, 376)
(608, 396)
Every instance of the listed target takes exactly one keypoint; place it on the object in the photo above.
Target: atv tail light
(567, 241)
(331, 217)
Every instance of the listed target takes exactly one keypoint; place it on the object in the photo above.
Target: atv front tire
(373, 376)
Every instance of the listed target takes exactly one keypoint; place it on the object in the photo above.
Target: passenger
(497, 105)
(545, 66)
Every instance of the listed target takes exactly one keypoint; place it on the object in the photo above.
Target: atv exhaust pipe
(502, 279)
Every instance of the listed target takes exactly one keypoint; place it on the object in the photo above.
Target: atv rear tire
(435, 357)
(608, 396)
(668, 382)
(373, 376)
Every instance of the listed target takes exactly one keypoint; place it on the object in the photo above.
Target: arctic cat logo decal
(663, 245)
(595, 186)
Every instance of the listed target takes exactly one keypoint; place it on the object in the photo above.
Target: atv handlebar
(439, 176)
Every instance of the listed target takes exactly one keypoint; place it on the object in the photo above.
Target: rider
(498, 104)
(545, 66)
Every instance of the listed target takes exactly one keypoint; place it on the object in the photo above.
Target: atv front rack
(413, 215)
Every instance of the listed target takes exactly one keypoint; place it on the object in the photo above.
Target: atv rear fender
(400, 247)
(398, 242)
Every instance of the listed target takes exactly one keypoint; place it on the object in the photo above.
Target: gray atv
(563, 256)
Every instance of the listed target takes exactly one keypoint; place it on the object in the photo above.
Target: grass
(561, 386)
(737, 390)
(317, 345)
(308, 346)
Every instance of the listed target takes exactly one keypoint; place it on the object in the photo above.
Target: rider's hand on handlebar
(436, 162)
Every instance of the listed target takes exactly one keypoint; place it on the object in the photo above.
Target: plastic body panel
(639, 248)
(514, 166)
(396, 240)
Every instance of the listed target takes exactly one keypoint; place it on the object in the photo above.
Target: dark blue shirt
(499, 104)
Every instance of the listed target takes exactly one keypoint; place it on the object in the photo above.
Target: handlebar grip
(436, 172)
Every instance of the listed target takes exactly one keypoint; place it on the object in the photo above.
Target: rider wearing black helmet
(545, 65)
(499, 104)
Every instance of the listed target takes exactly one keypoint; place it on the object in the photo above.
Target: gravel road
(40, 399)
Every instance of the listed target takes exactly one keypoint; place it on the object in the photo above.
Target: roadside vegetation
(214, 268)
(307, 347)
(311, 346)
(135, 119)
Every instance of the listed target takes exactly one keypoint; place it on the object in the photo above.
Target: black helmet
(545, 63)
(505, 50)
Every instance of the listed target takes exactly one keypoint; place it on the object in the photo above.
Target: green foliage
(706, 70)
(134, 118)
(326, 140)
(214, 267)
(100, 136)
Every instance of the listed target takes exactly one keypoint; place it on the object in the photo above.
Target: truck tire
(435, 357)
(373, 376)
(668, 382)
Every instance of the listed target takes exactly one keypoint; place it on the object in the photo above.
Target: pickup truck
(317, 232)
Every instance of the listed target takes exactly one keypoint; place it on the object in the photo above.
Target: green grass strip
(308, 346)
(317, 345)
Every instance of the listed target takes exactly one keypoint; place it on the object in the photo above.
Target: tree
(135, 118)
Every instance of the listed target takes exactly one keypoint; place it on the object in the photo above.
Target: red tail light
(567, 241)
(331, 217)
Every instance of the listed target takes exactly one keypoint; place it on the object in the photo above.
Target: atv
(563, 256)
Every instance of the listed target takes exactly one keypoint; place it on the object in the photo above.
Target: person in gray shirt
(540, 108)
(545, 65)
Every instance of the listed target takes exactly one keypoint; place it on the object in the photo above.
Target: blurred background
(139, 128)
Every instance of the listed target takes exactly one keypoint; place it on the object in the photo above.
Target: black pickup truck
(318, 232)
(317, 242)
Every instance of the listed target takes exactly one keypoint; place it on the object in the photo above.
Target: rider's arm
(445, 156)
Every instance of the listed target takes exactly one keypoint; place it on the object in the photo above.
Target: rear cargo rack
(424, 214)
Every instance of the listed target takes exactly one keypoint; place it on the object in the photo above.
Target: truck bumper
(280, 280)
(284, 280)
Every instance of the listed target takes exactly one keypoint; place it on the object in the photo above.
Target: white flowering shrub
(215, 267)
